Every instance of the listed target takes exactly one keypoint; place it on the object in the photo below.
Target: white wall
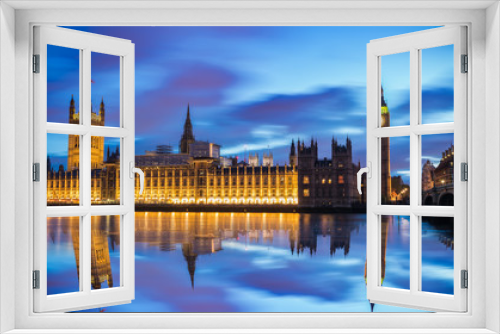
(492, 164)
(486, 153)
(7, 158)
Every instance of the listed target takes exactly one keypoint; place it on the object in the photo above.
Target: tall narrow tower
(293, 155)
(73, 140)
(97, 142)
(385, 152)
(187, 136)
(100, 117)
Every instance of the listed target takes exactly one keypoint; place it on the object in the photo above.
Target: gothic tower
(187, 136)
(386, 153)
(307, 158)
(97, 143)
(267, 159)
(293, 155)
(342, 153)
(73, 140)
(98, 119)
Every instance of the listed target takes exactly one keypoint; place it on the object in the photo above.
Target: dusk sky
(250, 88)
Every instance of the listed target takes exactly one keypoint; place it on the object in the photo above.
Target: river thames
(249, 262)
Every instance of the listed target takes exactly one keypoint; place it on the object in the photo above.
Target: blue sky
(251, 88)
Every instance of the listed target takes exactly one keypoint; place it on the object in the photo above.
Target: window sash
(87, 43)
(413, 43)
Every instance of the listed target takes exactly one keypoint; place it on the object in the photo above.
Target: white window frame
(413, 44)
(85, 43)
(484, 50)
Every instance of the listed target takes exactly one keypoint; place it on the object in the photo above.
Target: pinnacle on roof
(382, 97)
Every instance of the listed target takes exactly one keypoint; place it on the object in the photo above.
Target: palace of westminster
(199, 175)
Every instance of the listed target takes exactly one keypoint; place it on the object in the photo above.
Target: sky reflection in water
(257, 262)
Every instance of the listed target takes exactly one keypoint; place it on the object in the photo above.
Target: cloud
(264, 145)
(269, 122)
(349, 130)
(203, 77)
(433, 159)
(268, 131)
(308, 106)
(437, 99)
(274, 120)
(437, 107)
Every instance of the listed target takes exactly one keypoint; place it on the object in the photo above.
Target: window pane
(437, 84)
(63, 162)
(437, 169)
(395, 99)
(395, 171)
(395, 252)
(105, 179)
(105, 90)
(437, 254)
(63, 84)
(63, 255)
(105, 250)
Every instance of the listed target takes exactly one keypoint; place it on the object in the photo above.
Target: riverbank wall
(245, 208)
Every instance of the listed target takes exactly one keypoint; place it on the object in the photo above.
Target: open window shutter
(70, 212)
(379, 134)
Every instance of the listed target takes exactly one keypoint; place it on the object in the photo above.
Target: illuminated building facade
(437, 182)
(443, 174)
(253, 159)
(268, 160)
(199, 175)
(97, 145)
(203, 181)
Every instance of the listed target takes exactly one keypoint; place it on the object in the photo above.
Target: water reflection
(259, 262)
(62, 250)
(105, 252)
(63, 253)
(200, 234)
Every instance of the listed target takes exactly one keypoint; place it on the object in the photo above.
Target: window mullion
(414, 169)
(85, 171)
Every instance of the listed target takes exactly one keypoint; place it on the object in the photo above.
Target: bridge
(442, 195)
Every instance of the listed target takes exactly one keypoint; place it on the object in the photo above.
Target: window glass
(63, 255)
(437, 82)
(63, 85)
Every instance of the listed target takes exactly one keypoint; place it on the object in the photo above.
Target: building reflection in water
(440, 227)
(200, 234)
(105, 238)
(197, 235)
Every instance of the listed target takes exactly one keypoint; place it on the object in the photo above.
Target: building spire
(102, 111)
(382, 97)
(187, 136)
(188, 127)
(72, 109)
